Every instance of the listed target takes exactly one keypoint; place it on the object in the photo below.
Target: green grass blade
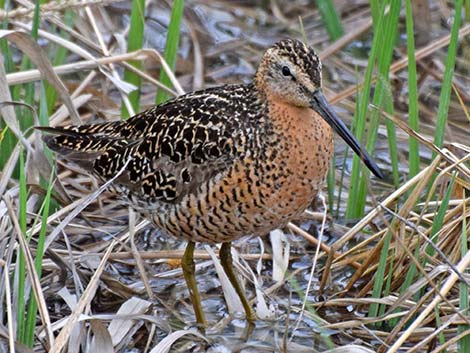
(32, 306)
(376, 10)
(391, 138)
(388, 285)
(7, 143)
(442, 339)
(379, 276)
(384, 37)
(330, 19)
(171, 47)
(25, 117)
(135, 42)
(446, 89)
(413, 102)
(358, 127)
(36, 17)
(409, 280)
(383, 98)
(439, 218)
(21, 260)
(464, 344)
(30, 323)
(345, 159)
(5, 48)
(467, 10)
(7, 138)
(437, 224)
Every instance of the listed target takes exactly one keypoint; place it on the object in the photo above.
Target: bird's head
(291, 73)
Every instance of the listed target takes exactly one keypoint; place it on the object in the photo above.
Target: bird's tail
(83, 144)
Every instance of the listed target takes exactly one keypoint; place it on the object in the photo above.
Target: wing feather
(170, 149)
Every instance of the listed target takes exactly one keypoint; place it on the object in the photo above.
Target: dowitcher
(218, 164)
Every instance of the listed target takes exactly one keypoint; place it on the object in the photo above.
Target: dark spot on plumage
(188, 133)
(134, 172)
(172, 182)
(166, 147)
(138, 125)
(172, 110)
(159, 177)
(176, 157)
(185, 110)
(227, 147)
(173, 130)
(214, 152)
(249, 187)
(215, 118)
(147, 188)
(213, 135)
(185, 176)
(201, 134)
(144, 147)
(235, 196)
(159, 193)
(197, 156)
(182, 147)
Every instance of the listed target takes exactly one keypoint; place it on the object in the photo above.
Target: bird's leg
(226, 260)
(187, 264)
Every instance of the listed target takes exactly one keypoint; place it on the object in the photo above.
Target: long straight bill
(321, 105)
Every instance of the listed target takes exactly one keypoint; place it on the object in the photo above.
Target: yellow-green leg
(187, 264)
(226, 260)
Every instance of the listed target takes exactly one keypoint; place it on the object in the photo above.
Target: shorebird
(218, 164)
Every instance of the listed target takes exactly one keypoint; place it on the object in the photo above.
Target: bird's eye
(286, 71)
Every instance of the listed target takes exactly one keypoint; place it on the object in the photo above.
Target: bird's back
(168, 151)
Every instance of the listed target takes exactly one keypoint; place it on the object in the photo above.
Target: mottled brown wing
(170, 150)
